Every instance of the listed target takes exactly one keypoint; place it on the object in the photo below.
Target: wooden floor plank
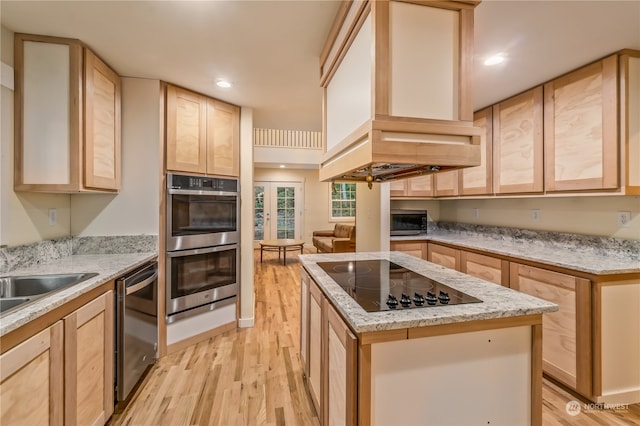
(253, 376)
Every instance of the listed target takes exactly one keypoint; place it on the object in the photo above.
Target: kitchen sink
(8, 304)
(35, 285)
(15, 291)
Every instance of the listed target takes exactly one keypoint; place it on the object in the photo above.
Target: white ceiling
(269, 49)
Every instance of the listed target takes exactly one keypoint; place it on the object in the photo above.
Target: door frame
(299, 200)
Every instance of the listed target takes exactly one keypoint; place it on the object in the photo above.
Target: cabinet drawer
(485, 267)
(444, 256)
(566, 346)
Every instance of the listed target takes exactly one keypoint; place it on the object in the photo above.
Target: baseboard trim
(178, 346)
(246, 322)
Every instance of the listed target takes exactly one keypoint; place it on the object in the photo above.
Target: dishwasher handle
(139, 286)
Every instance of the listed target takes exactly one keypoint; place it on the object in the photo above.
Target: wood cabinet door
(444, 256)
(485, 267)
(518, 144)
(421, 186)
(101, 124)
(413, 248)
(186, 125)
(31, 382)
(314, 379)
(223, 138)
(398, 188)
(566, 345)
(88, 363)
(581, 129)
(304, 320)
(479, 180)
(340, 372)
(48, 114)
(446, 183)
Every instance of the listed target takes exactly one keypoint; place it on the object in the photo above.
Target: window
(343, 201)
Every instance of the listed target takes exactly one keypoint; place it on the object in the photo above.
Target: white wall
(372, 217)
(315, 193)
(136, 208)
(23, 216)
(247, 310)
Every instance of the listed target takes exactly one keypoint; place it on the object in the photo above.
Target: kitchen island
(469, 363)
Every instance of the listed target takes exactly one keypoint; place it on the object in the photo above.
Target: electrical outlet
(53, 217)
(476, 213)
(535, 215)
(624, 219)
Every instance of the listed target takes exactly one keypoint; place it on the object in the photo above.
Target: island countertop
(108, 267)
(497, 301)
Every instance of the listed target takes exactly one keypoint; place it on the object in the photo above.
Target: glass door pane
(260, 212)
(281, 201)
(286, 211)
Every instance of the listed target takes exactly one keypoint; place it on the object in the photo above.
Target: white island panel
(482, 377)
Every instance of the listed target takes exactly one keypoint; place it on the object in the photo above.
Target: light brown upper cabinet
(398, 188)
(446, 183)
(478, 180)
(581, 128)
(186, 130)
(421, 186)
(630, 121)
(67, 117)
(203, 134)
(223, 138)
(518, 144)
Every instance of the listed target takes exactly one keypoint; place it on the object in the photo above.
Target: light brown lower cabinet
(314, 362)
(567, 343)
(444, 256)
(414, 248)
(31, 386)
(340, 372)
(329, 353)
(484, 267)
(88, 363)
(64, 373)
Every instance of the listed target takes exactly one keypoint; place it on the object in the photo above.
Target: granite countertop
(498, 301)
(108, 267)
(595, 258)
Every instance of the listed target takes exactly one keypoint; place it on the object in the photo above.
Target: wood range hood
(396, 79)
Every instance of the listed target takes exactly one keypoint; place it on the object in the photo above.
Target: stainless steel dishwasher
(136, 340)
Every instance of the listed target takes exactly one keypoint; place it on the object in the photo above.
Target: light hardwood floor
(253, 376)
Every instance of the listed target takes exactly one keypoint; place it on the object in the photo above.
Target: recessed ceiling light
(496, 59)
(282, 166)
(223, 83)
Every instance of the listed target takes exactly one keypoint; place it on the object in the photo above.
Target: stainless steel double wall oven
(202, 258)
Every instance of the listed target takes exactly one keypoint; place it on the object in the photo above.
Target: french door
(277, 210)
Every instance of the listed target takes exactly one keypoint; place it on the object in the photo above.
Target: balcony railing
(277, 138)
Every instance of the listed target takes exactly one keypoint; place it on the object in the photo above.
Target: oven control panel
(201, 183)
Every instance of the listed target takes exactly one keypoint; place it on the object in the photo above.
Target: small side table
(282, 246)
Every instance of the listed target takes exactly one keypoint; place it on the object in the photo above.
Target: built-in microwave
(408, 222)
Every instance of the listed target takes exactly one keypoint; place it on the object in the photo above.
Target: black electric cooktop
(380, 285)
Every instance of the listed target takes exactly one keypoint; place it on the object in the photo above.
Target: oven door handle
(196, 192)
(203, 250)
(139, 286)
